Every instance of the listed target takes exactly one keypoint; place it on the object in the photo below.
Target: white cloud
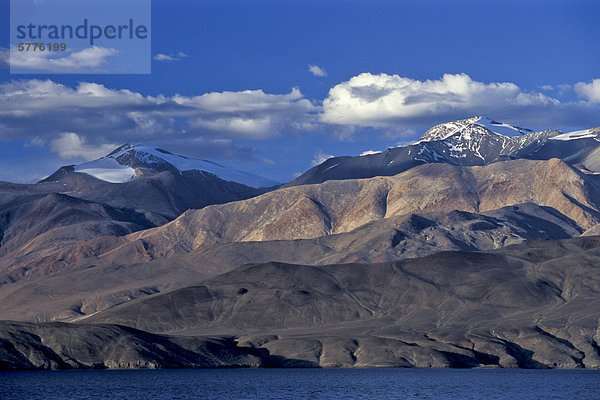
(70, 145)
(87, 60)
(170, 57)
(565, 88)
(36, 142)
(250, 128)
(103, 115)
(252, 114)
(164, 57)
(385, 100)
(320, 157)
(398, 108)
(589, 91)
(316, 70)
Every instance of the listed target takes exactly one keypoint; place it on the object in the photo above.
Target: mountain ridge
(128, 161)
(448, 129)
(424, 255)
(96, 285)
(311, 211)
(464, 142)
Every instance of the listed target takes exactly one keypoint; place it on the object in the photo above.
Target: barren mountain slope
(33, 224)
(72, 294)
(534, 304)
(382, 219)
(340, 206)
(71, 207)
(165, 192)
(311, 211)
(65, 346)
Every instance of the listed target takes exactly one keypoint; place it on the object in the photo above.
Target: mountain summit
(467, 142)
(481, 140)
(472, 126)
(145, 177)
(120, 166)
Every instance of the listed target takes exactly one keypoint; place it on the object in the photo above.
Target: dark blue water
(302, 384)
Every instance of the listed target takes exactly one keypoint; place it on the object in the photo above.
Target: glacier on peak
(119, 166)
(107, 169)
(502, 128)
(475, 125)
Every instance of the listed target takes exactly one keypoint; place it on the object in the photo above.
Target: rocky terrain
(73, 205)
(473, 247)
(312, 211)
(533, 305)
(473, 141)
(94, 287)
(68, 346)
(378, 219)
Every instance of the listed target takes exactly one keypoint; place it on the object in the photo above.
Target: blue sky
(231, 81)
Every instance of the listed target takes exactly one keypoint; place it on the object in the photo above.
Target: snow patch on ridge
(369, 152)
(333, 166)
(107, 169)
(502, 128)
(583, 134)
(111, 170)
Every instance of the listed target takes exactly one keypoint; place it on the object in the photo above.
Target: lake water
(302, 384)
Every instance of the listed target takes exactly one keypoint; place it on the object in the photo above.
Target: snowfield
(117, 166)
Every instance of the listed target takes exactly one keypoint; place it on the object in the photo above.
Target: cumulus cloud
(251, 114)
(170, 57)
(70, 145)
(99, 114)
(89, 117)
(589, 91)
(316, 70)
(383, 100)
(320, 157)
(87, 60)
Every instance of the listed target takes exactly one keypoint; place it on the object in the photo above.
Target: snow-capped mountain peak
(473, 141)
(475, 125)
(479, 140)
(120, 166)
